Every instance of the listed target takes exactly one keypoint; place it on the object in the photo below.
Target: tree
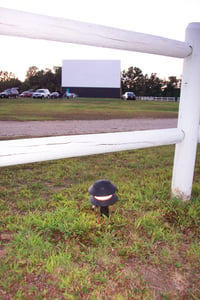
(57, 77)
(8, 80)
(32, 71)
(153, 86)
(171, 87)
(143, 85)
(132, 80)
(36, 78)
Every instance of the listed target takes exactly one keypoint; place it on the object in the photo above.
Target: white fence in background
(152, 98)
(185, 136)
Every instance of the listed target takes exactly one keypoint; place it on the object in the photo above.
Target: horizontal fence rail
(22, 151)
(23, 24)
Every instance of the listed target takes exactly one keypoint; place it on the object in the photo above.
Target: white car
(41, 93)
(129, 96)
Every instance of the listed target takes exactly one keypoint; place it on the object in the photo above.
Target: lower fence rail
(21, 151)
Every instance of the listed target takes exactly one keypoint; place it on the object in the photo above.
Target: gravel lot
(15, 129)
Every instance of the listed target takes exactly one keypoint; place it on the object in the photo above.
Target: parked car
(26, 94)
(10, 93)
(41, 93)
(129, 96)
(54, 95)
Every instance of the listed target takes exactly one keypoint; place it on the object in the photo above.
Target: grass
(83, 109)
(53, 246)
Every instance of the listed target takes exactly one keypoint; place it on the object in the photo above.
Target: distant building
(92, 78)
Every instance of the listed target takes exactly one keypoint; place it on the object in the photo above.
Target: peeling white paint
(22, 151)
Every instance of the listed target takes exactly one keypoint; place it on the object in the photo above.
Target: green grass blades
(84, 109)
(53, 246)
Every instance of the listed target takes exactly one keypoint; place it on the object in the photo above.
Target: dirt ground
(16, 129)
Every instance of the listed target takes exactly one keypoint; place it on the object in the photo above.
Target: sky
(162, 18)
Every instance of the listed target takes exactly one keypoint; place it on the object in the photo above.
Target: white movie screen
(91, 73)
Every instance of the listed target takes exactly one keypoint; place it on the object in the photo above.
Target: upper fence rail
(24, 24)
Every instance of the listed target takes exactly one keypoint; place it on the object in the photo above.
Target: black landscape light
(102, 195)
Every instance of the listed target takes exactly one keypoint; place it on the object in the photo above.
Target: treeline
(35, 79)
(144, 85)
(131, 80)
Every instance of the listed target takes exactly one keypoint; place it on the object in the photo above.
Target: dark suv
(9, 93)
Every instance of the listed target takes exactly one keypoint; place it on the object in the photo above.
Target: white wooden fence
(185, 136)
(164, 99)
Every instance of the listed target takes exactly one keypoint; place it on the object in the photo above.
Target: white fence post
(188, 120)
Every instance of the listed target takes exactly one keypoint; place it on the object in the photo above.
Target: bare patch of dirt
(5, 238)
(164, 281)
(34, 286)
(16, 129)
